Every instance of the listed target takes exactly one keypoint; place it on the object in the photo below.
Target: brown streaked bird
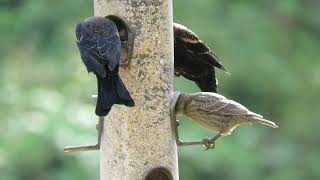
(217, 113)
(194, 60)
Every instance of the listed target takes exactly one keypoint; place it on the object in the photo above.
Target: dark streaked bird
(217, 113)
(100, 46)
(194, 60)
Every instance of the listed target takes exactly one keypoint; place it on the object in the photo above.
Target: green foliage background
(271, 48)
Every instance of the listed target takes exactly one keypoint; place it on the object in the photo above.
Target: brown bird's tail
(254, 119)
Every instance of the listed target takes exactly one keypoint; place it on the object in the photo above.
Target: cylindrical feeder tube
(137, 140)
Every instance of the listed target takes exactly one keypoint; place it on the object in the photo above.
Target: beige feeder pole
(138, 143)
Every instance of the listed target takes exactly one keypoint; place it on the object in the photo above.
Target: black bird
(100, 46)
(194, 60)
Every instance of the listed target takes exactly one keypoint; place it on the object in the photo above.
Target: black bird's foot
(208, 144)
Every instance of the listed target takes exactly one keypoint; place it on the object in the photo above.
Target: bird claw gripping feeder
(127, 41)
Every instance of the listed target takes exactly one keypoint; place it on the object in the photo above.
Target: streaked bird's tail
(111, 91)
(259, 120)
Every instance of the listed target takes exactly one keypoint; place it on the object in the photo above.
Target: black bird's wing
(193, 45)
(99, 50)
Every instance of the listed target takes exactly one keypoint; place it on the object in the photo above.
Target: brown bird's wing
(218, 104)
(195, 46)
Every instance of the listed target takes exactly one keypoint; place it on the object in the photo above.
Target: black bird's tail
(111, 91)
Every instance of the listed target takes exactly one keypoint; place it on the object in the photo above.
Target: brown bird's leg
(183, 143)
(188, 143)
(209, 143)
(99, 128)
(175, 123)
